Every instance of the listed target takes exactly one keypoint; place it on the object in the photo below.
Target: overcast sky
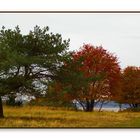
(118, 33)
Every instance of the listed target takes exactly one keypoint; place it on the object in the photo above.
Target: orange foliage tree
(131, 86)
(89, 76)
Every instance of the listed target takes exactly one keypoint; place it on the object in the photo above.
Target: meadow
(46, 117)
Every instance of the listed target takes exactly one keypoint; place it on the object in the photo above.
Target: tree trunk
(135, 105)
(89, 105)
(120, 107)
(82, 105)
(1, 108)
(101, 106)
(92, 105)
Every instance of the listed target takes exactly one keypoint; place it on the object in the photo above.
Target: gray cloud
(119, 33)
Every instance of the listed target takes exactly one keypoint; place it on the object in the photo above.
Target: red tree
(103, 68)
(131, 86)
(91, 75)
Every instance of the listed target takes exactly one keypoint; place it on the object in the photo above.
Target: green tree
(5, 64)
(29, 60)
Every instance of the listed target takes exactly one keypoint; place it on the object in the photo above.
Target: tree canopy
(31, 57)
(131, 86)
(92, 74)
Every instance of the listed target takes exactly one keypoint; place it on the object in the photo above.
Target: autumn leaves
(93, 75)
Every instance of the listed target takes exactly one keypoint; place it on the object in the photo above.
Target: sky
(118, 33)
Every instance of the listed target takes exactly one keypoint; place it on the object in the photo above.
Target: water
(110, 106)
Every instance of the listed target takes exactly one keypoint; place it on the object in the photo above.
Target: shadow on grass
(26, 118)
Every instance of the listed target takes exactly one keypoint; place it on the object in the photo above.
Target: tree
(90, 75)
(68, 82)
(5, 64)
(29, 60)
(131, 86)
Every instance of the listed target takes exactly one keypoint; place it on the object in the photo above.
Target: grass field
(50, 117)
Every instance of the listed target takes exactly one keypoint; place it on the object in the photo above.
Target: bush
(12, 102)
(131, 110)
(44, 101)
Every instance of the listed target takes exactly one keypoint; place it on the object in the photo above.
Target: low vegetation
(49, 117)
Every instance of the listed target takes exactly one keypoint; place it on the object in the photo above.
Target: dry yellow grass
(34, 116)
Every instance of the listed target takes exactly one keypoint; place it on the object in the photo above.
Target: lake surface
(110, 106)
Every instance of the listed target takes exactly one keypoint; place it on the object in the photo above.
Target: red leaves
(96, 60)
(91, 73)
(100, 65)
(131, 85)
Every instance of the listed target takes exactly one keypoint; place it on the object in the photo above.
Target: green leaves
(26, 58)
